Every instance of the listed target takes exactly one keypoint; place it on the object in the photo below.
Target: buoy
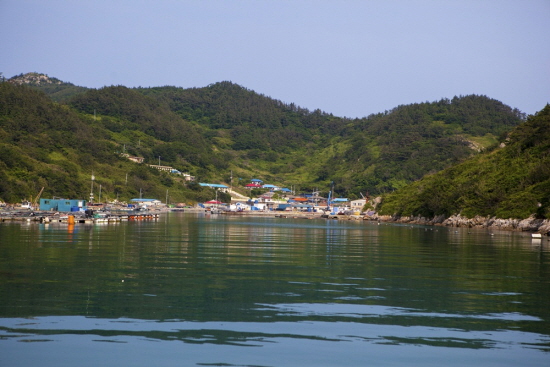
(70, 219)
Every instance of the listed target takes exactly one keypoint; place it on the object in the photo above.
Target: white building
(358, 204)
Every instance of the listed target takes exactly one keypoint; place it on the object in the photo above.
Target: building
(220, 187)
(146, 202)
(253, 186)
(358, 204)
(161, 168)
(339, 202)
(63, 205)
(133, 159)
(188, 177)
(136, 159)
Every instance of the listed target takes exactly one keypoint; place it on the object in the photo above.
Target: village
(274, 201)
(282, 199)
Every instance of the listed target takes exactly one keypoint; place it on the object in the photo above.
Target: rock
(530, 224)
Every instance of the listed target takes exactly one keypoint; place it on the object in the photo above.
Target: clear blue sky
(349, 58)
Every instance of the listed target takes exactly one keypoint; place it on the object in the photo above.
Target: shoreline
(530, 224)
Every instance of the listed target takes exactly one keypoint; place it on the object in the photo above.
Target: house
(220, 187)
(358, 204)
(253, 186)
(340, 202)
(188, 177)
(63, 205)
(161, 168)
(146, 202)
(298, 200)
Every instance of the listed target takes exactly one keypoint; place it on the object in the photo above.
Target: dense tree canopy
(225, 129)
(512, 181)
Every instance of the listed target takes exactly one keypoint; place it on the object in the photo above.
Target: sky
(349, 58)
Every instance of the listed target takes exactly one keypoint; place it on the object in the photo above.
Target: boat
(26, 204)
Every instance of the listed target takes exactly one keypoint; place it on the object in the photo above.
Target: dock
(74, 219)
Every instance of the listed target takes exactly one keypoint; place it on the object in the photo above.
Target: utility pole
(92, 189)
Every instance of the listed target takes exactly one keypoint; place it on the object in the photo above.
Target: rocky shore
(530, 224)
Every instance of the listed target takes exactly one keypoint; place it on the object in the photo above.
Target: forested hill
(512, 181)
(225, 128)
(250, 120)
(45, 144)
(386, 151)
(377, 154)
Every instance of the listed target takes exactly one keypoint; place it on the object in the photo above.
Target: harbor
(50, 217)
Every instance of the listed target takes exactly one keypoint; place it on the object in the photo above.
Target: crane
(34, 203)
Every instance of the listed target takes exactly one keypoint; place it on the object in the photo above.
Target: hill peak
(35, 79)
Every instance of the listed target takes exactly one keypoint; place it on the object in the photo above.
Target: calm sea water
(197, 290)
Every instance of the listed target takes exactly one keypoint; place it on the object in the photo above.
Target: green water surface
(198, 290)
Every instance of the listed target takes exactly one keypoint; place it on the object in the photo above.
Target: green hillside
(45, 144)
(380, 153)
(221, 130)
(512, 181)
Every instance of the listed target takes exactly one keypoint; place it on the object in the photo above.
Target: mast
(330, 195)
(92, 189)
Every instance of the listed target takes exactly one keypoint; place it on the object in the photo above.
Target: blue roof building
(214, 186)
(340, 200)
(63, 205)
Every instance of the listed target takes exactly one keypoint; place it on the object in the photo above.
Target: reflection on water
(198, 290)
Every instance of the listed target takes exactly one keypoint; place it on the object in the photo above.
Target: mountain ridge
(225, 130)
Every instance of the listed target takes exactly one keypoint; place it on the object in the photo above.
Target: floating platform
(71, 219)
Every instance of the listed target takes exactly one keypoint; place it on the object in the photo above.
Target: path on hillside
(237, 196)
